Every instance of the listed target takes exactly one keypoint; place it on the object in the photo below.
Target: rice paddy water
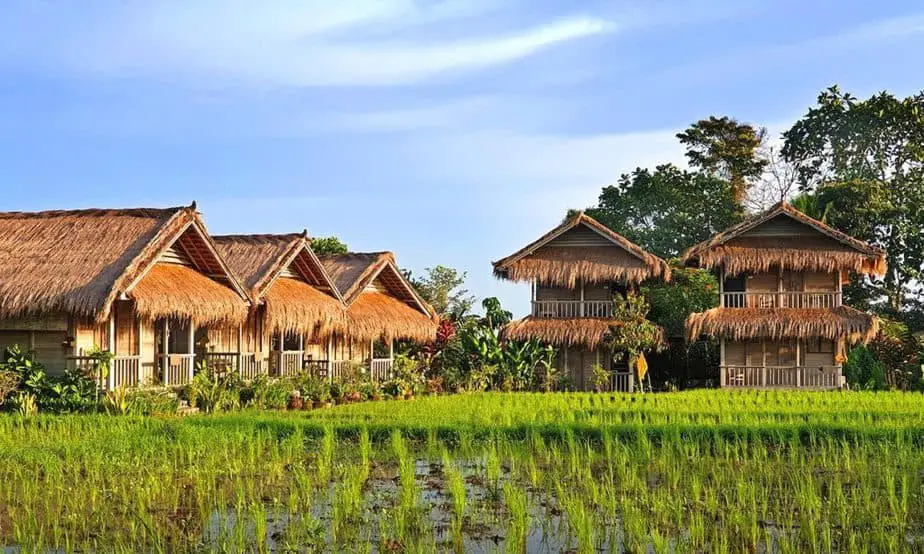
(703, 471)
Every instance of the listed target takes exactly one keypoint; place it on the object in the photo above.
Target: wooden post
(722, 302)
(165, 355)
(840, 290)
(330, 356)
(722, 370)
(140, 331)
(240, 347)
(763, 365)
(391, 355)
(110, 378)
(582, 298)
(191, 349)
(779, 287)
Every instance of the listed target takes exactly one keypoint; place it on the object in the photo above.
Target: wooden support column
(240, 347)
(582, 298)
(139, 347)
(165, 354)
(191, 349)
(112, 348)
(763, 365)
(723, 370)
(330, 356)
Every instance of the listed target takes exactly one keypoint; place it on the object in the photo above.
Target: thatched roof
(172, 290)
(381, 303)
(828, 251)
(377, 315)
(80, 261)
(613, 259)
(776, 323)
(306, 302)
(585, 331)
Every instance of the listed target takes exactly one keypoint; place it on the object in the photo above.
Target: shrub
(9, 383)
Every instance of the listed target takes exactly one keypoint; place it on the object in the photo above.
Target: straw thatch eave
(173, 290)
(842, 322)
(374, 315)
(293, 305)
(588, 332)
(729, 252)
(354, 272)
(624, 261)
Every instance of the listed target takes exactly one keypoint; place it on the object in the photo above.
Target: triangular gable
(192, 239)
(578, 220)
(300, 261)
(387, 277)
(781, 211)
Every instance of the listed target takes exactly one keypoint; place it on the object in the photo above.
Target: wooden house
(574, 271)
(382, 307)
(781, 321)
(135, 282)
(296, 308)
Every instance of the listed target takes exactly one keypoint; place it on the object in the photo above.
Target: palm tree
(811, 205)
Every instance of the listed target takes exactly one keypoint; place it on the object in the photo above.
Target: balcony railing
(781, 299)
(245, 363)
(124, 371)
(823, 377)
(176, 369)
(567, 309)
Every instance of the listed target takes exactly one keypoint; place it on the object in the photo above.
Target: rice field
(703, 471)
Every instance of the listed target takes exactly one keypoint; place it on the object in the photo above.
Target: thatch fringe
(843, 322)
(171, 290)
(624, 261)
(565, 267)
(293, 305)
(589, 332)
(831, 251)
(376, 315)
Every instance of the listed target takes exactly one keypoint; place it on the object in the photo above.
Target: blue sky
(450, 132)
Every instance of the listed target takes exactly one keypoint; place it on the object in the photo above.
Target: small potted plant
(295, 401)
(336, 393)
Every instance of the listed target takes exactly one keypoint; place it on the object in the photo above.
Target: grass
(683, 472)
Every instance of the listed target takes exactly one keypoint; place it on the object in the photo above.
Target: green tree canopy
(667, 210)
(865, 159)
(724, 147)
(442, 288)
(328, 245)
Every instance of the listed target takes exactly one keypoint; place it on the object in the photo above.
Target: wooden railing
(781, 299)
(823, 377)
(340, 368)
(380, 369)
(288, 362)
(250, 366)
(563, 309)
(622, 382)
(124, 371)
(176, 369)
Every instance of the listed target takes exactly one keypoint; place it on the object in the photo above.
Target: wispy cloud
(313, 43)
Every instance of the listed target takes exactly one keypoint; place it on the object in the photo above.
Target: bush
(864, 371)
(73, 392)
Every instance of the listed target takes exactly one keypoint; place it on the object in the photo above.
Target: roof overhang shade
(172, 290)
(376, 315)
(842, 322)
(589, 332)
(293, 305)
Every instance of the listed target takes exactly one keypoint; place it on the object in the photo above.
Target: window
(819, 346)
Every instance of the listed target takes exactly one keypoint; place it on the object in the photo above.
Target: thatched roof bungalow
(575, 270)
(781, 321)
(381, 303)
(69, 274)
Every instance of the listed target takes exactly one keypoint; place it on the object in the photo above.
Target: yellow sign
(641, 366)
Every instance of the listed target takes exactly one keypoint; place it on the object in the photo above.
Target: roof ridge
(95, 212)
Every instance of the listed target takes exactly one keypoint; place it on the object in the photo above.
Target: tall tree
(865, 158)
(667, 210)
(724, 147)
(443, 288)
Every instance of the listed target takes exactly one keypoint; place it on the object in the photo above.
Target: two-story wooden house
(574, 271)
(781, 321)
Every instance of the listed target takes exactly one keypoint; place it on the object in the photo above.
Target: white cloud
(313, 43)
